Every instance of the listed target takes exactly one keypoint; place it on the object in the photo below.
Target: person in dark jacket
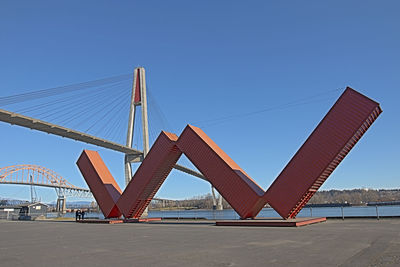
(78, 215)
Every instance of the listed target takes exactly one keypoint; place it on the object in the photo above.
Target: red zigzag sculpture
(345, 123)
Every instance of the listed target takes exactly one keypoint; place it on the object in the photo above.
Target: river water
(269, 212)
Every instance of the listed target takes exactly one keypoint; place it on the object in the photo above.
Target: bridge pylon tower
(138, 99)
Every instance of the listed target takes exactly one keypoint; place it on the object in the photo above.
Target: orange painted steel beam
(326, 147)
(334, 137)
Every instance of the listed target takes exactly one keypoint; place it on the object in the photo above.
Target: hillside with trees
(327, 197)
(356, 196)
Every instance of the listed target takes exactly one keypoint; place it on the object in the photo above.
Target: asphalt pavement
(364, 242)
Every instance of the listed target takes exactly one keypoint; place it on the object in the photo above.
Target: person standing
(77, 215)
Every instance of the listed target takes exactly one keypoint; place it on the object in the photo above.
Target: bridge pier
(217, 202)
(219, 205)
(61, 205)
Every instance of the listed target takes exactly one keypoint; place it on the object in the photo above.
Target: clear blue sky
(211, 59)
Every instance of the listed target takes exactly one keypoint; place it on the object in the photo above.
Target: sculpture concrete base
(272, 222)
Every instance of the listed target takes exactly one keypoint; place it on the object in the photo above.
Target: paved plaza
(356, 242)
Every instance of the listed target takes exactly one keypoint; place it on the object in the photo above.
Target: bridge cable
(8, 100)
(91, 108)
(80, 108)
(299, 102)
(118, 103)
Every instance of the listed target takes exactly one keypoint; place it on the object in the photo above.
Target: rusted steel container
(150, 175)
(344, 124)
(100, 181)
(237, 188)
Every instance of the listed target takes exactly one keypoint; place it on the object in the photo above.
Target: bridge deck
(35, 124)
(28, 122)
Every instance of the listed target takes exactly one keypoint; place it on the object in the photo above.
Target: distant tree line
(355, 196)
(11, 202)
(352, 197)
(197, 202)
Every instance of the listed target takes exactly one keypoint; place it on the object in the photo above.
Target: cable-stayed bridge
(98, 108)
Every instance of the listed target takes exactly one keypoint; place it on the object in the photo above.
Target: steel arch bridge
(28, 174)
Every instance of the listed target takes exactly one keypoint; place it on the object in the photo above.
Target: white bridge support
(138, 98)
(217, 202)
(61, 206)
